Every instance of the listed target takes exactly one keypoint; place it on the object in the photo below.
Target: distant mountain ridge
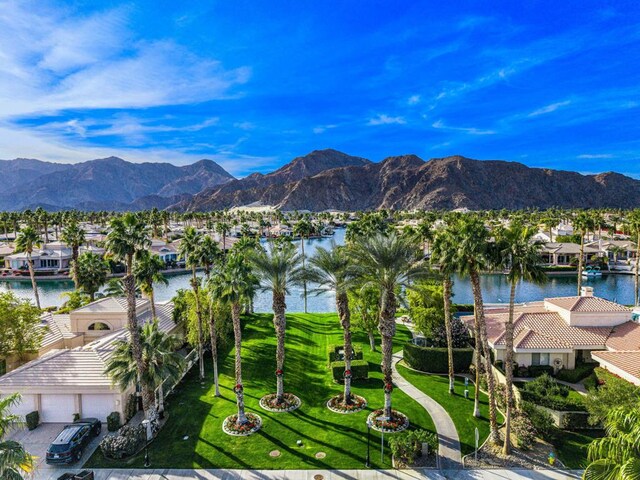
(321, 180)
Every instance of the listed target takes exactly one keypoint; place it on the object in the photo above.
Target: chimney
(586, 292)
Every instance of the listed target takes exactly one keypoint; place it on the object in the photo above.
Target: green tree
(147, 270)
(364, 303)
(90, 273)
(20, 331)
(15, 462)
(26, 241)
(388, 262)
(583, 222)
(73, 236)
(614, 392)
(277, 270)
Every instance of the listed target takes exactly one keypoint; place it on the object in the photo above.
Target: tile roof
(587, 304)
(110, 305)
(625, 337)
(57, 328)
(628, 362)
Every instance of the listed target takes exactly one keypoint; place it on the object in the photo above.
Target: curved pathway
(448, 440)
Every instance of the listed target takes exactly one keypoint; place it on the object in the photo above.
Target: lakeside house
(559, 332)
(52, 258)
(565, 253)
(69, 377)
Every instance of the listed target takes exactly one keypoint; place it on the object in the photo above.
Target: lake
(495, 287)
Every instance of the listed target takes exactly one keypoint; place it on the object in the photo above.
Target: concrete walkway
(449, 451)
(164, 474)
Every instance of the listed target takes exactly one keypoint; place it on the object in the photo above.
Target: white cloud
(414, 100)
(439, 124)
(596, 155)
(323, 128)
(549, 108)
(383, 119)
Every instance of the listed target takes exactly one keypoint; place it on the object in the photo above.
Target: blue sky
(254, 84)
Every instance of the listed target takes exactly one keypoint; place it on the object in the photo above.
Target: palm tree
(127, 236)
(147, 270)
(583, 222)
(443, 256)
(27, 240)
(471, 257)
(14, 459)
(389, 262)
(89, 273)
(223, 228)
(159, 350)
(210, 253)
(633, 220)
(616, 456)
(303, 229)
(277, 270)
(190, 250)
(330, 271)
(232, 287)
(74, 237)
(522, 259)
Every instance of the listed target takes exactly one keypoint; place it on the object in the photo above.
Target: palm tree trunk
(342, 305)
(148, 400)
(237, 336)
(194, 285)
(580, 261)
(493, 422)
(636, 271)
(372, 340)
(152, 301)
(387, 326)
(134, 334)
(32, 274)
(161, 398)
(508, 371)
(74, 258)
(214, 347)
(304, 281)
(280, 324)
(446, 293)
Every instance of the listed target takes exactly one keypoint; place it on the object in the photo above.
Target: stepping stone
(320, 455)
(274, 453)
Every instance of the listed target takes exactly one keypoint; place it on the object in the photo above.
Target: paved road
(449, 451)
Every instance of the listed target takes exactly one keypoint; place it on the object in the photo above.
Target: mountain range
(321, 180)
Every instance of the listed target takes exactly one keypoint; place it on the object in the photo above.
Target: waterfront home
(614, 250)
(52, 258)
(5, 250)
(557, 332)
(71, 380)
(622, 354)
(565, 254)
(167, 251)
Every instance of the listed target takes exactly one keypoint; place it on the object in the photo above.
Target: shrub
(131, 407)
(335, 348)
(576, 421)
(407, 446)
(541, 420)
(523, 430)
(125, 443)
(436, 360)
(113, 421)
(359, 370)
(547, 392)
(32, 420)
(539, 370)
(609, 392)
(574, 376)
(76, 417)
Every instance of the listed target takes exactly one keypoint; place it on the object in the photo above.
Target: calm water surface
(495, 288)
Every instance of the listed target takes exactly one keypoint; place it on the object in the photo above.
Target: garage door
(57, 408)
(98, 406)
(27, 404)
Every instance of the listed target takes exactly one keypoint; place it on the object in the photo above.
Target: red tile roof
(625, 337)
(587, 304)
(628, 362)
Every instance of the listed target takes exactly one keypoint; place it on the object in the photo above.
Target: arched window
(99, 326)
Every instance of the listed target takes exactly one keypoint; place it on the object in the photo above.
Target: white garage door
(57, 408)
(27, 404)
(98, 406)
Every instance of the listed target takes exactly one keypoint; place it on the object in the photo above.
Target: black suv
(70, 442)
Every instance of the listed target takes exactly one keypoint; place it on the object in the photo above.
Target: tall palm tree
(191, 251)
(15, 462)
(147, 270)
(633, 221)
(127, 236)
(329, 269)
(89, 273)
(233, 285)
(160, 354)
(277, 270)
(27, 240)
(223, 228)
(583, 222)
(389, 262)
(442, 255)
(616, 456)
(471, 257)
(210, 253)
(74, 237)
(521, 257)
(303, 229)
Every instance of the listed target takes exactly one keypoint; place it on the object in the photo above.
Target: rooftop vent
(586, 292)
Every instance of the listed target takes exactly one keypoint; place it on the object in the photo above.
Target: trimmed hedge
(359, 370)
(576, 421)
(335, 348)
(32, 420)
(436, 360)
(539, 370)
(580, 372)
(113, 421)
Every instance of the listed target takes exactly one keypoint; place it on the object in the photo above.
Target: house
(167, 251)
(558, 332)
(52, 258)
(622, 354)
(71, 379)
(565, 253)
(614, 250)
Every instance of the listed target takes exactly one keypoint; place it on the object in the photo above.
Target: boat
(591, 272)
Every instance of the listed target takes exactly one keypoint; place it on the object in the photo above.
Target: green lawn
(459, 408)
(196, 413)
(572, 447)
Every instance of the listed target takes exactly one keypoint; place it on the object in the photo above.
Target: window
(99, 326)
(539, 359)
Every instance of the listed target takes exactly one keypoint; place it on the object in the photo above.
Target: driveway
(37, 441)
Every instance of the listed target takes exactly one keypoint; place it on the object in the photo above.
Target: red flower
(279, 373)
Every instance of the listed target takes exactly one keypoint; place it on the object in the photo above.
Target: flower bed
(270, 404)
(358, 403)
(398, 423)
(230, 427)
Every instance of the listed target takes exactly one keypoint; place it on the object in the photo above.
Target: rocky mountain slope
(103, 184)
(408, 182)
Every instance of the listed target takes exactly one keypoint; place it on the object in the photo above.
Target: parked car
(71, 441)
